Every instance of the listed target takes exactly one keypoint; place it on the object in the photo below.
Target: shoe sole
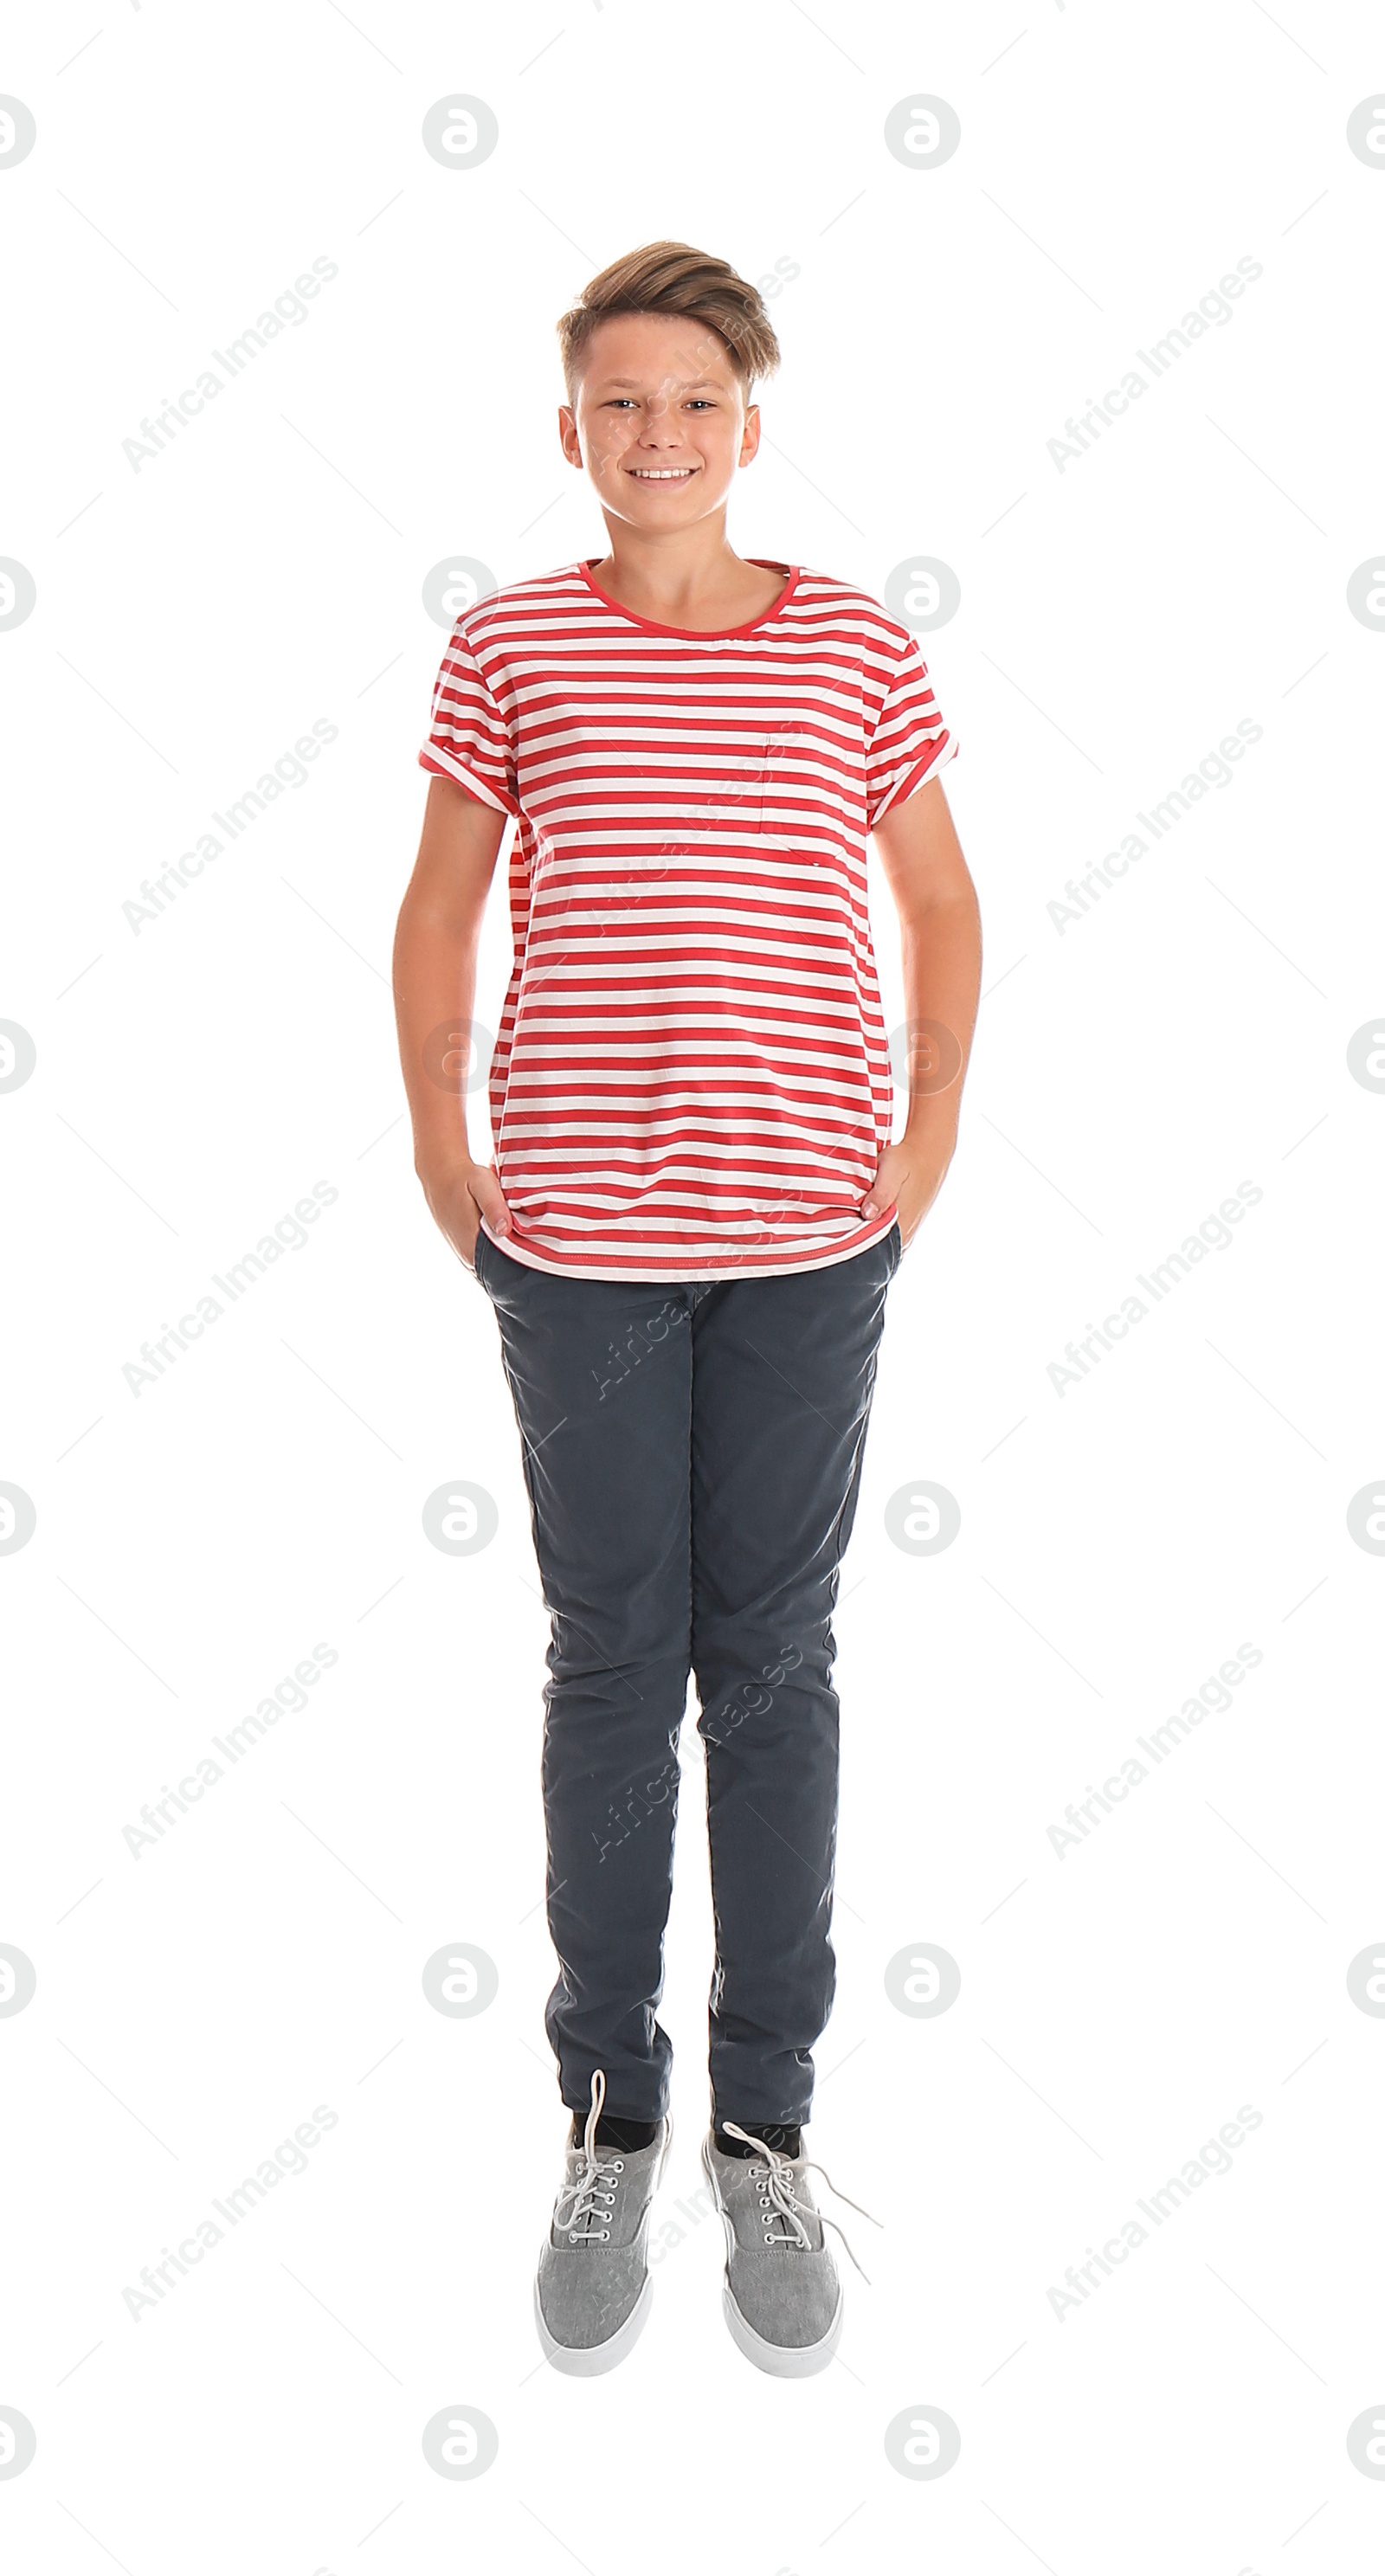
(588, 2361)
(781, 2360)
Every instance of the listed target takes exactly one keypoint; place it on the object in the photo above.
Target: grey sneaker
(781, 2296)
(593, 2292)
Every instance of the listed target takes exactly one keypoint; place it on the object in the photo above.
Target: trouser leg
(783, 1376)
(600, 1372)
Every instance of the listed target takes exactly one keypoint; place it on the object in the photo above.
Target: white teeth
(661, 474)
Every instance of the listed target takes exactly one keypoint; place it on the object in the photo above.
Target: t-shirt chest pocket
(786, 771)
(744, 795)
(740, 772)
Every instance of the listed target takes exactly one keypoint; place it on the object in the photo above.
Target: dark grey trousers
(693, 1456)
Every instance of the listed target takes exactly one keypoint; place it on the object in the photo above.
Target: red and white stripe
(691, 1077)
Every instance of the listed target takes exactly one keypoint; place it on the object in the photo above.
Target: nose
(660, 429)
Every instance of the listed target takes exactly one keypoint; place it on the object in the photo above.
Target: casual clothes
(689, 1093)
(691, 1077)
(693, 1455)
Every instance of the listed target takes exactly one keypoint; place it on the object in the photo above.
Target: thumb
(490, 1199)
(883, 1188)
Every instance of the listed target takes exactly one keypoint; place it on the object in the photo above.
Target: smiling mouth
(662, 473)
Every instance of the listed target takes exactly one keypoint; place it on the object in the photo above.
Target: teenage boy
(687, 1234)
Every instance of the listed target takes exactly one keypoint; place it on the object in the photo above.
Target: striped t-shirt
(691, 1077)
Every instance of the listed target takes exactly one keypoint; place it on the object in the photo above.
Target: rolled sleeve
(910, 742)
(469, 735)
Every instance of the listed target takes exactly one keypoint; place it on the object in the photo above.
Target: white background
(197, 1075)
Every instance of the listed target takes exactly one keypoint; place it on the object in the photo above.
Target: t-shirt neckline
(701, 634)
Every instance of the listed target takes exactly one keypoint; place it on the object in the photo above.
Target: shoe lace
(587, 2190)
(781, 2173)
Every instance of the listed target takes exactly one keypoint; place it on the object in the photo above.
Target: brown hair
(672, 277)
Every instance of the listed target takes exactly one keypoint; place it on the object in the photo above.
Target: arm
(435, 947)
(940, 938)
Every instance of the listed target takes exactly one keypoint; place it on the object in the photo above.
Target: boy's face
(659, 420)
